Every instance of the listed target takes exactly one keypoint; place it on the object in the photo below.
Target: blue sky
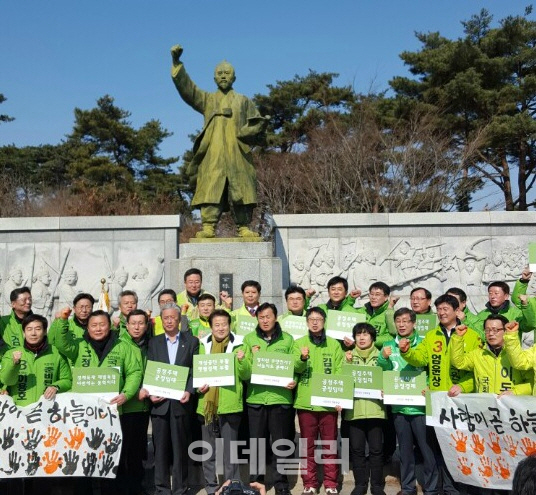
(58, 55)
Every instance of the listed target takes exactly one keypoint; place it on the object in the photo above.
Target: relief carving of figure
(41, 294)
(67, 288)
(14, 281)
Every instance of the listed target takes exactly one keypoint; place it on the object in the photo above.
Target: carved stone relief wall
(435, 251)
(59, 258)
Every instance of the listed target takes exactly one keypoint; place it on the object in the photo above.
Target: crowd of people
(465, 353)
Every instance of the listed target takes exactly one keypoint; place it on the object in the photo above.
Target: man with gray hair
(171, 419)
(222, 163)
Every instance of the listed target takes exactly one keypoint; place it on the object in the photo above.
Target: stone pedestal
(244, 260)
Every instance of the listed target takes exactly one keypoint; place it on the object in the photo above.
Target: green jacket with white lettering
(230, 398)
(135, 405)
(281, 342)
(324, 357)
(365, 408)
(28, 380)
(377, 317)
(117, 354)
(434, 353)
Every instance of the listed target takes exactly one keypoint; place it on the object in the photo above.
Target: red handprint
(528, 446)
(53, 436)
(486, 470)
(53, 461)
(502, 470)
(511, 445)
(494, 442)
(76, 439)
(464, 466)
(460, 441)
(478, 444)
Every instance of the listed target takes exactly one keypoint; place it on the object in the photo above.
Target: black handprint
(33, 463)
(14, 463)
(97, 436)
(89, 464)
(70, 459)
(9, 438)
(33, 438)
(112, 444)
(106, 466)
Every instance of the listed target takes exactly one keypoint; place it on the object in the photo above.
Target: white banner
(72, 435)
(483, 438)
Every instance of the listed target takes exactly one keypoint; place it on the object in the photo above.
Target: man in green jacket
(499, 304)
(101, 347)
(193, 279)
(464, 315)
(433, 352)
(317, 353)
(200, 327)
(270, 410)
(34, 368)
(409, 421)
(220, 408)
(128, 301)
(135, 412)
(82, 307)
(493, 370)
(339, 299)
(296, 299)
(379, 312)
(11, 325)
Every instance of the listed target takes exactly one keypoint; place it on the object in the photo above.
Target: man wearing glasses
(421, 301)
(317, 353)
(492, 368)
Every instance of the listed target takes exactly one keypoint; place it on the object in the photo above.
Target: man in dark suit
(171, 418)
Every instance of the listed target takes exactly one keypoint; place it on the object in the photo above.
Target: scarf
(495, 311)
(213, 395)
(99, 345)
(36, 348)
(364, 353)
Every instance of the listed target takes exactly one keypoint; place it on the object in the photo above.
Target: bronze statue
(222, 165)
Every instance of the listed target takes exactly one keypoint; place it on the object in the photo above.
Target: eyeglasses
(493, 331)
(417, 298)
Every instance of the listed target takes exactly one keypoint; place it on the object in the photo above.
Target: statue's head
(224, 75)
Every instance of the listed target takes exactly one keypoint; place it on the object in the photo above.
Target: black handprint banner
(72, 435)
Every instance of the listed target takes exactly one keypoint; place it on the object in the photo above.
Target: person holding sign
(365, 421)
(270, 410)
(433, 352)
(409, 421)
(36, 368)
(220, 407)
(100, 347)
(317, 353)
(135, 415)
(492, 368)
(170, 418)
